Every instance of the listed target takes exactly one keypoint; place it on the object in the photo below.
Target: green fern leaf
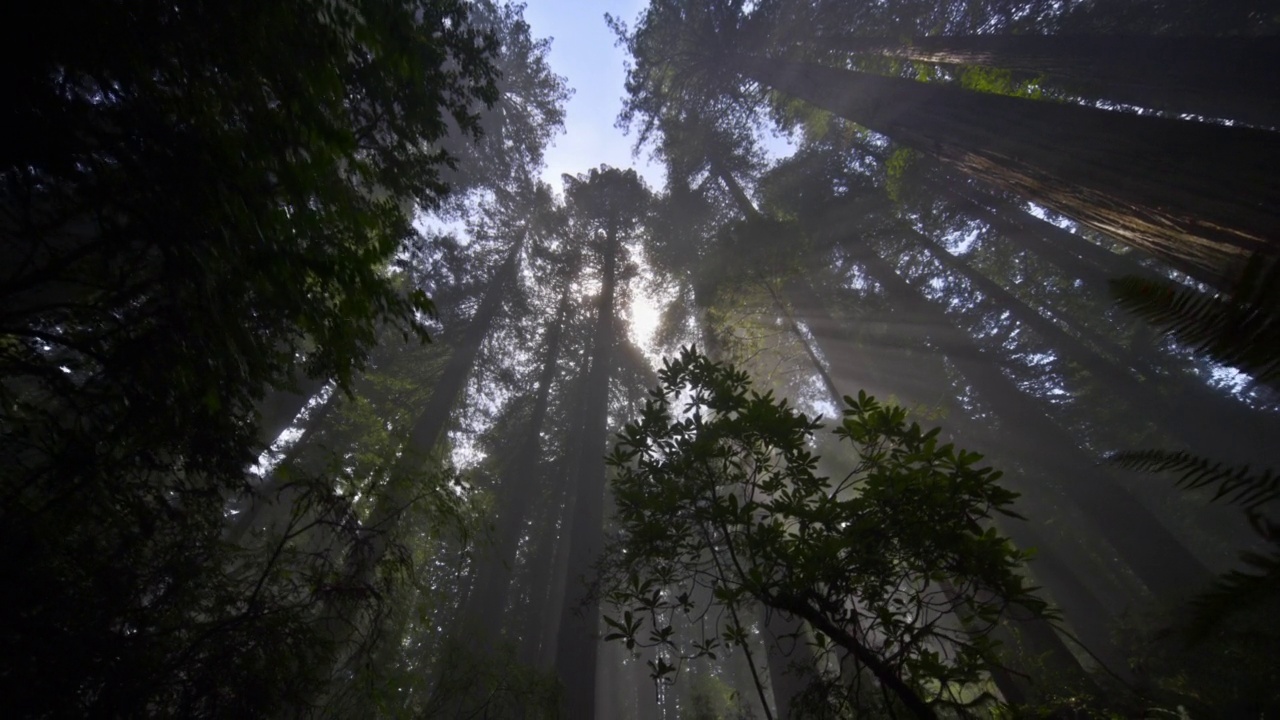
(1233, 484)
(1234, 592)
(1240, 328)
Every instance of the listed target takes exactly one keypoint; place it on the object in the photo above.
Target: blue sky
(583, 51)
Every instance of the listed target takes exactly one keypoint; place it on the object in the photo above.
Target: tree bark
(787, 650)
(429, 428)
(1094, 264)
(1206, 427)
(740, 198)
(576, 648)
(1216, 77)
(1204, 195)
(516, 491)
(278, 409)
(819, 367)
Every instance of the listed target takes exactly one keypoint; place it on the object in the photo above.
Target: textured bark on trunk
(1189, 193)
(576, 648)
(912, 384)
(745, 206)
(538, 648)
(1200, 427)
(1075, 254)
(818, 366)
(1216, 77)
(269, 504)
(1090, 615)
(1037, 633)
(428, 430)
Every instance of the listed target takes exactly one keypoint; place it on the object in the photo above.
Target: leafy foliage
(1240, 327)
(1236, 590)
(200, 203)
(1234, 484)
(720, 510)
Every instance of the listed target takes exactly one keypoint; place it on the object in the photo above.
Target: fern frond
(1234, 592)
(1234, 484)
(1240, 328)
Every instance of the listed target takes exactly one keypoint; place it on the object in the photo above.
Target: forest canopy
(326, 391)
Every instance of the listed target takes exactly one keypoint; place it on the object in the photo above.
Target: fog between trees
(316, 402)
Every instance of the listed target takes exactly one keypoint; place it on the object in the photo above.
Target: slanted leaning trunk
(1153, 553)
(279, 408)
(1205, 196)
(340, 617)
(1216, 77)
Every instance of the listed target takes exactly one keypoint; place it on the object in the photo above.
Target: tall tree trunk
(1216, 77)
(927, 385)
(1083, 609)
(883, 372)
(340, 617)
(785, 681)
(740, 198)
(1199, 428)
(270, 503)
(548, 568)
(819, 366)
(1200, 418)
(789, 655)
(1086, 260)
(434, 418)
(554, 570)
(1149, 549)
(278, 409)
(577, 645)
(1038, 634)
(1200, 194)
(516, 492)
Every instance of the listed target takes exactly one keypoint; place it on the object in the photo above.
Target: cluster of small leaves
(720, 509)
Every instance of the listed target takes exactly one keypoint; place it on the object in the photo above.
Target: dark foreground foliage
(893, 563)
(200, 203)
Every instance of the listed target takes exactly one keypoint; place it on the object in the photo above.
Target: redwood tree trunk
(576, 649)
(1216, 77)
(429, 428)
(517, 491)
(1194, 193)
(1153, 553)
(338, 617)
(1036, 632)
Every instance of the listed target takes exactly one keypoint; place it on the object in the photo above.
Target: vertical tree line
(315, 402)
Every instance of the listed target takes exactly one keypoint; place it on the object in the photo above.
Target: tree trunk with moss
(1216, 77)
(1190, 193)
